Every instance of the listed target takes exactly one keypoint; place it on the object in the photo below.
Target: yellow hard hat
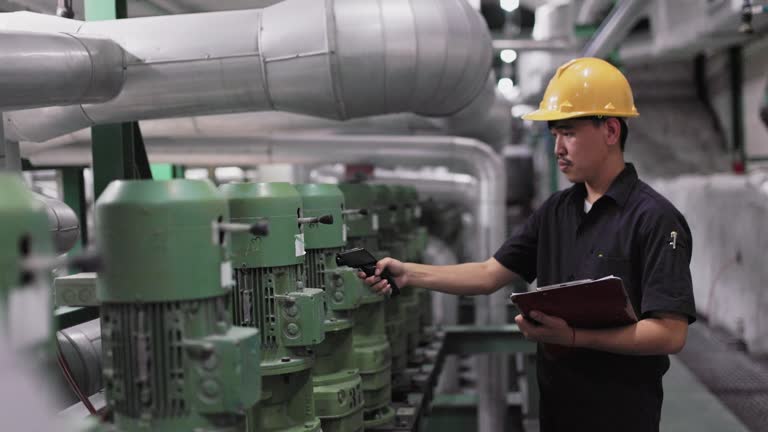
(586, 86)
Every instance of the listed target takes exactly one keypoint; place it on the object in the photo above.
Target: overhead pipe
(590, 10)
(487, 118)
(46, 69)
(338, 59)
(458, 154)
(615, 28)
(557, 44)
(63, 222)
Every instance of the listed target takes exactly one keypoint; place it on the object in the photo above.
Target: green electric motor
(269, 294)
(418, 237)
(373, 353)
(172, 359)
(336, 378)
(397, 237)
(386, 214)
(25, 293)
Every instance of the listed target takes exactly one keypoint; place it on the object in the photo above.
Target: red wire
(73, 384)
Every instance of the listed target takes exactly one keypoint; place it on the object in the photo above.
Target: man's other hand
(551, 330)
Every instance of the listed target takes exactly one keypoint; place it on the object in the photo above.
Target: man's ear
(612, 130)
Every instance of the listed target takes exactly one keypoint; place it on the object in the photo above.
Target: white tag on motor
(299, 243)
(227, 280)
(344, 233)
(375, 222)
(29, 319)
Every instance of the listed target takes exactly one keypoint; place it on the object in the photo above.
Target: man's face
(581, 147)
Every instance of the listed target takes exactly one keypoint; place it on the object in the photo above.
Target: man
(608, 223)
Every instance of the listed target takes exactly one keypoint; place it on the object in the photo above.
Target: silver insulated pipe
(45, 69)
(335, 59)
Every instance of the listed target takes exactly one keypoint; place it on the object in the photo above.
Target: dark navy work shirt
(628, 234)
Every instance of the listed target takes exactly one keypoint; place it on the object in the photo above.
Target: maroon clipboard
(600, 303)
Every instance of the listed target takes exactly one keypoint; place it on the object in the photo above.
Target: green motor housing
(418, 237)
(395, 239)
(172, 359)
(373, 352)
(270, 294)
(25, 296)
(337, 383)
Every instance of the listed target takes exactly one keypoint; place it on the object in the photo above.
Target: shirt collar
(619, 190)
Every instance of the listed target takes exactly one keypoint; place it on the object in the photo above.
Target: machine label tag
(300, 245)
(227, 281)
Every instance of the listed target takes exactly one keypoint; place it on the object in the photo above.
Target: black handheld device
(363, 260)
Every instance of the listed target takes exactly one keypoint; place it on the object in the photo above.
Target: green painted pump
(269, 294)
(400, 237)
(27, 256)
(372, 351)
(173, 361)
(418, 237)
(386, 215)
(337, 384)
(25, 307)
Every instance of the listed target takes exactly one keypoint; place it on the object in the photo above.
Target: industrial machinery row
(222, 309)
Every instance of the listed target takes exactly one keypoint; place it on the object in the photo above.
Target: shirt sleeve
(519, 252)
(666, 276)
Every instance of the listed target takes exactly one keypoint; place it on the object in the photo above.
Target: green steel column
(390, 245)
(337, 384)
(73, 186)
(172, 359)
(373, 353)
(269, 294)
(399, 236)
(117, 149)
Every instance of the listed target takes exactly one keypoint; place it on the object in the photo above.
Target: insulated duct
(487, 118)
(337, 59)
(65, 226)
(45, 69)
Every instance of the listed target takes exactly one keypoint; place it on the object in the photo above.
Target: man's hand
(551, 330)
(381, 286)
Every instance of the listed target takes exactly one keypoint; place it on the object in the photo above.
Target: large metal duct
(45, 69)
(338, 59)
(487, 118)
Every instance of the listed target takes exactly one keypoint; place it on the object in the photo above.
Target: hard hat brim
(549, 115)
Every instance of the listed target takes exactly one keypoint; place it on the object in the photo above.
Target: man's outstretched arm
(461, 279)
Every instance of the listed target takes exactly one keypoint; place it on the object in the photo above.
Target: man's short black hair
(598, 120)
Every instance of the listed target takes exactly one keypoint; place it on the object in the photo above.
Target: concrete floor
(689, 406)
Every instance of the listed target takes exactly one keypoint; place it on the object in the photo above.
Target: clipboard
(600, 303)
